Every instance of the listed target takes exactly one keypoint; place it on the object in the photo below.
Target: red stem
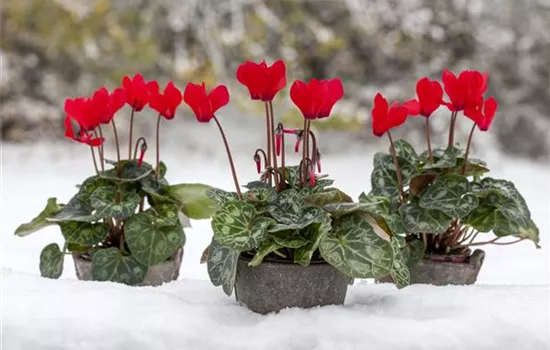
(100, 148)
(117, 147)
(234, 173)
(397, 169)
(468, 149)
(268, 138)
(158, 148)
(428, 139)
(131, 133)
(273, 146)
(95, 162)
(452, 129)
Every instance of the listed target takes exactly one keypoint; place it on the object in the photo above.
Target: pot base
(271, 287)
(441, 273)
(156, 275)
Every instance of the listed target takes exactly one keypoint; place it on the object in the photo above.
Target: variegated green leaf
(450, 194)
(222, 266)
(290, 239)
(313, 234)
(51, 261)
(130, 171)
(257, 184)
(483, 218)
(531, 232)
(444, 158)
(221, 197)
(153, 236)
(84, 233)
(379, 205)
(268, 246)
(193, 200)
(414, 252)
(511, 204)
(109, 201)
(237, 225)
(354, 248)
(298, 221)
(404, 150)
(111, 265)
(419, 220)
(400, 272)
(261, 195)
(327, 197)
(384, 176)
(41, 221)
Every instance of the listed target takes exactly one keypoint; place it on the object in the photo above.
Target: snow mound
(39, 313)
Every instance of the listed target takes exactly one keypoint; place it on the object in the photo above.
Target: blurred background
(52, 49)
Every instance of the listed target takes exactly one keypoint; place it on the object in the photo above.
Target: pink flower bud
(258, 162)
(278, 142)
(312, 178)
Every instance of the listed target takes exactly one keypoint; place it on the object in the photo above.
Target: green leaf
(290, 239)
(221, 197)
(510, 203)
(530, 232)
(236, 225)
(475, 167)
(354, 248)
(110, 265)
(328, 197)
(39, 222)
(77, 248)
(51, 261)
(109, 201)
(378, 205)
(404, 150)
(129, 171)
(419, 220)
(384, 177)
(260, 195)
(395, 223)
(292, 176)
(165, 214)
(504, 226)
(414, 252)
(152, 236)
(400, 272)
(483, 218)
(291, 214)
(84, 233)
(313, 234)
(222, 266)
(267, 247)
(420, 182)
(450, 194)
(444, 158)
(257, 184)
(194, 201)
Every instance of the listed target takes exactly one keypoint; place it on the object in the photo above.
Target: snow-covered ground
(507, 309)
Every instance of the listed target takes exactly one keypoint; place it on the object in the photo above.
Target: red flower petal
(218, 98)
(334, 92)
(301, 96)
(412, 106)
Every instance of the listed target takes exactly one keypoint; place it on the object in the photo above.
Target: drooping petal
(379, 114)
(334, 92)
(489, 109)
(301, 96)
(218, 98)
(277, 79)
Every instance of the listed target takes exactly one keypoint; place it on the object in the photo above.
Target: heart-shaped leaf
(327, 197)
(193, 199)
(154, 236)
(354, 248)
(290, 239)
(404, 150)
(414, 252)
(221, 197)
(130, 171)
(261, 195)
(445, 158)
(267, 247)
(41, 221)
(384, 176)
(420, 220)
(510, 202)
(298, 221)
(51, 261)
(84, 233)
(111, 265)
(237, 226)
(222, 266)
(109, 201)
(313, 234)
(400, 272)
(483, 218)
(450, 194)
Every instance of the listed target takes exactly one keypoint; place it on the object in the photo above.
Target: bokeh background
(52, 49)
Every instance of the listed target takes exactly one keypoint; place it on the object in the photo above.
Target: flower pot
(275, 285)
(442, 270)
(156, 275)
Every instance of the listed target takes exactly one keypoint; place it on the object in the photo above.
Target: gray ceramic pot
(156, 275)
(432, 270)
(273, 286)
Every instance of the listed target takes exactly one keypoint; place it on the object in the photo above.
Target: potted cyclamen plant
(290, 240)
(108, 228)
(438, 201)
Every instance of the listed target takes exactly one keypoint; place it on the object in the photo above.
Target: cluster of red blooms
(465, 94)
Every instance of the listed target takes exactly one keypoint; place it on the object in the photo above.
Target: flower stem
(117, 147)
(428, 140)
(468, 149)
(397, 169)
(131, 133)
(283, 170)
(100, 148)
(95, 162)
(452, 129)
(138, 141)
(237, 187)
(273, 146)
(158, 148)
(268, 138)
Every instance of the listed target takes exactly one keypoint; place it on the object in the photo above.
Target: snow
(507, 309)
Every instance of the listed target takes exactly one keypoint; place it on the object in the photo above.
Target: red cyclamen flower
(384, 118)
(80, 109)
(165, 103)
(263, 81)
(482, 119)
(205, 105)
(78, 134)
(137, 95)
(465, 90)
(430, 97)
(316, 99)
(103, 106)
